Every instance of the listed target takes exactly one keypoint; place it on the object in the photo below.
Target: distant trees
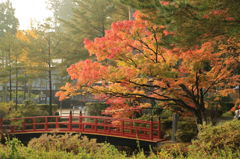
(8, 29)
(85, 19)
(26, 56)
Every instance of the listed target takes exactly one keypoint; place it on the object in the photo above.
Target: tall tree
(8, 28)
(32, 68)
(45, 47)
(23, 63)
(8, 22)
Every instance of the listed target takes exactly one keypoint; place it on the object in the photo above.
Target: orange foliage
(87, 72)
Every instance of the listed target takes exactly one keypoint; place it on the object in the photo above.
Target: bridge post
(23, 125)
(34, 123)
(159, 128)
(1, 124)
(131, 125)
(80, 121)
(1, 129)
(105, 125)
(95, 122)
(57, 122)
(46, 123)
(174, 126)
(70, 120)
(151, 129)
(122, 127)
(109, 126)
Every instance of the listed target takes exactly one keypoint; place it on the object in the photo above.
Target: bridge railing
(107, 126)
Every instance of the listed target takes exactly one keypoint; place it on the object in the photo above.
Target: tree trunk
(204, 116)
(10, 75)
(25, 86)
(201, 117)
(50, 91)
(239, 92)
(130, 13)
(49, 76)
(5, 93)
(16, 93)
(10, 84)
(29, 92)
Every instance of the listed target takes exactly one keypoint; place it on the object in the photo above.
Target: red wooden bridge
(104, 126)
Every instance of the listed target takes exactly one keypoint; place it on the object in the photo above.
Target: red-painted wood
(125, 128)
(159, 128)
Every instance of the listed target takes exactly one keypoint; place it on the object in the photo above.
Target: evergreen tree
(89, 19)
(8, 22)
(193, 21)
(44, 52)
(8, 28)
(62, 9)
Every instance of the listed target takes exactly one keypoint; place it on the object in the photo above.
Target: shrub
(5, 108)
(212, 138)
(11, 149)
(67, 142)
(225, 153)
(173, 149)
(28, 108)
(95, 109)
(15, 150)
(166, 128)
(187, 130)
(45, 107)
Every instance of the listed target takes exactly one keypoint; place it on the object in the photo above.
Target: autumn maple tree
(134, 65)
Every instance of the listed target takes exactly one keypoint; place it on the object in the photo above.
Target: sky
(25, 10)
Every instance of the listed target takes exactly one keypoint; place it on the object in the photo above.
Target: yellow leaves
(159, 83)
(116, 87)
(24, 55)
(32, 34)
(122, 72)
(66, 91)
(138, 92)
(25, 36)
(121, 63)
(226, 92)
(170, 57)
(140, 80)
(21, 36)
(112, 88)
(145, 105)
(96, 89)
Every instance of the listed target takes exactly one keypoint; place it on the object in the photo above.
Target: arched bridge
(149, 131)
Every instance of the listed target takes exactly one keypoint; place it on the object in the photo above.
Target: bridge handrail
(151, 130)
(93, 117)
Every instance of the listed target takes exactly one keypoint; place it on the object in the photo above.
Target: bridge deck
(105, 126)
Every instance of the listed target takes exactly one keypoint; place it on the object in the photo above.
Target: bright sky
(25, 10)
